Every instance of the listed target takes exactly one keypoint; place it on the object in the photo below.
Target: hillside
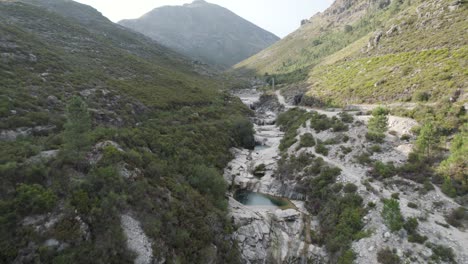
(204, 31)
(373, 51)
(108, 138)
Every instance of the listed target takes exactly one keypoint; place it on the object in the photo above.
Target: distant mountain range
(204, 31)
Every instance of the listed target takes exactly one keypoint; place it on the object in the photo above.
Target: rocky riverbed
(272, 235)
(267, 234)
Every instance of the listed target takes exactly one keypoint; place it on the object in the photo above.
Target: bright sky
(278, 16)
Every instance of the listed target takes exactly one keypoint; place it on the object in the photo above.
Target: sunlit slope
(374, 53)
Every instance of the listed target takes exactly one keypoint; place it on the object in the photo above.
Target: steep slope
(111, 145)
(373, 51)
(203, 31)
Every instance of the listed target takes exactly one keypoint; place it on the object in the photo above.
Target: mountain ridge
(205, 31)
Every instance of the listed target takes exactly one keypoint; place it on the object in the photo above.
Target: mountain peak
(204, 31)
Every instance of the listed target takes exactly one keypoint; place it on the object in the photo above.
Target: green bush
(411, 225)
(375, 149)
(346, 150)
(382, 170)
(34, 199)
(259, 170)
(441, 253)
(387, 256)
(457, 217)
(307, 141)
(363, 158)
(76, 135)
(320, 148)
(375, 137)
(345, 117)
(210, 183)
(378, 125)
(412, 205)
(392, 215)
(417, 238)
(243, 133)
(350, 188)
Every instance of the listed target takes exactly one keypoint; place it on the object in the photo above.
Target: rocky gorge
(272, 234)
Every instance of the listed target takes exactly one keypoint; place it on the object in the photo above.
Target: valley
(282, 235)
(191, 135)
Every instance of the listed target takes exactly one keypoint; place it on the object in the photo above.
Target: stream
(270, 218)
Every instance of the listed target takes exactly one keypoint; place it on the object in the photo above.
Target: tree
(378, 124)
(77, 128)
(456, 165)
(392, 215)
(427, 139)
(244, 133)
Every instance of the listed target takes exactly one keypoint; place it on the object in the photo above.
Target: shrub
(243, 133)
(348, 28)
(457, 216)
(76, 135)
(209, 182)
(380, 169)
(427, 139)
(348, 257)
(455, 165)
(346, 150)
(307, 141)
(411, 225)
(375, 149)
(441, 253)
(448, 188)
(378, 125)
(417, 238)
(387, 256)
(396, 196)
(345, 117)
(412, 205)
(259, 171)
(375, 137)
(321, 149)
(350, 188)
(392, 215)
(363, 158)
(422, 96)
(34, 199)
(405, 137)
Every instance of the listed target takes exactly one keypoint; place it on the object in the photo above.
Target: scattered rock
(137, 240)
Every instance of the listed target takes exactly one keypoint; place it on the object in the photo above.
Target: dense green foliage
(455, 165)
(392, 215)
(291, 120)
(441, 253)
(307, 141)
(76, 129)
(378, 125)
(388, 256)
(73, 79)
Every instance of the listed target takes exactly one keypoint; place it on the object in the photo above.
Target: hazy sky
(278, 16)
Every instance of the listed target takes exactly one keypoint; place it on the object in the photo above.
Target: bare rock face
(137, 240)
(272, 236)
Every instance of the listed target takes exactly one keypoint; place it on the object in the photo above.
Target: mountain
(373, 51)
(112, 146)
(203, 31)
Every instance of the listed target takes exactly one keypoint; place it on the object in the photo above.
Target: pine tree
(76, 134)
(378, 124)
(427, 139)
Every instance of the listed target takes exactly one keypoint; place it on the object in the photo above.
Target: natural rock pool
(258, 199)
